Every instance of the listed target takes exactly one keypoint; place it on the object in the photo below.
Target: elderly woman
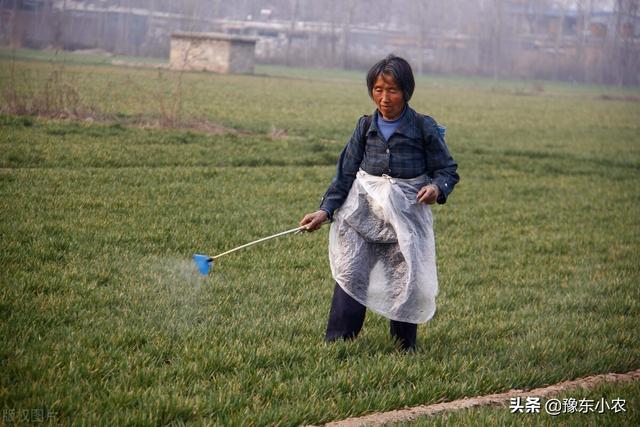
(381, 242)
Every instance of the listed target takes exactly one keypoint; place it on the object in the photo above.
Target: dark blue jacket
(415, 148)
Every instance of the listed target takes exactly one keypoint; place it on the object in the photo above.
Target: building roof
(213, 36)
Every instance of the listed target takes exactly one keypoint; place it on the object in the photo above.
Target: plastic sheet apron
(382, 248)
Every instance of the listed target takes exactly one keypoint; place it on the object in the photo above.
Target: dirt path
(410, 414)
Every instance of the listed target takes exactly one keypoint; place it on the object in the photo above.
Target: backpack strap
(367, 124)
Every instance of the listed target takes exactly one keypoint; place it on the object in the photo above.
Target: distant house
(217, 52)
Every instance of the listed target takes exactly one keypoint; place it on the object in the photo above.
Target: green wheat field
(105, 320)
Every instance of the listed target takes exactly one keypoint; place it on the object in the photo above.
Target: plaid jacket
(416, 147)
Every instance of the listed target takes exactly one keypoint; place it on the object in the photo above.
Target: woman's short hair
(399, 69)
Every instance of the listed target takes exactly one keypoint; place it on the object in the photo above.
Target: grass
(105, 321)
(88, 57)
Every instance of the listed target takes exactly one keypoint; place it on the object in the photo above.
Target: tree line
(583, 40)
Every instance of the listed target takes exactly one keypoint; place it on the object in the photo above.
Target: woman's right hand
(313, 221)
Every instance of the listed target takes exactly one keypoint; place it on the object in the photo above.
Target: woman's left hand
(428, 194)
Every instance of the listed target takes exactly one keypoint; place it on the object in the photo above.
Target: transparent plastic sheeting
(382, 248)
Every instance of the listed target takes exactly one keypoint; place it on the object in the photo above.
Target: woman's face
(388, 97)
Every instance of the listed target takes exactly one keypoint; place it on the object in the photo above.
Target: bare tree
(625, 53)
(492, 36)
(334, 34)
(346, 33)
(292, 27)
(14, 36)
(422, 13)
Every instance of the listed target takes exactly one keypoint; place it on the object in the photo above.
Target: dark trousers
(347, 316)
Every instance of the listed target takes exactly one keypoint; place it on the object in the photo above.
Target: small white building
(217, 52)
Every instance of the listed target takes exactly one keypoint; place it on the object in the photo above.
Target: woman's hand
(313, 221)
(428, 194)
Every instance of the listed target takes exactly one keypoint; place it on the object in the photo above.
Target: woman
(381, 244)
